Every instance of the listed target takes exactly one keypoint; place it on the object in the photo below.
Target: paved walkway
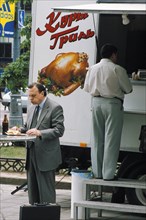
(63, 181)
(10, 204)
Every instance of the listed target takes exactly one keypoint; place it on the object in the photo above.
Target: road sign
(7, 17)
(21, 14)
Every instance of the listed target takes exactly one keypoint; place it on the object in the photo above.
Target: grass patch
(13, 152)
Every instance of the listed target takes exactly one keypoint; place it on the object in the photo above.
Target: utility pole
(16, 117)
(16, 45)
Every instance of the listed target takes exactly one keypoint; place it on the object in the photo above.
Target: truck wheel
(137, 196)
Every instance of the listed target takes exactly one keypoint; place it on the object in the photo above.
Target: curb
(18, 181)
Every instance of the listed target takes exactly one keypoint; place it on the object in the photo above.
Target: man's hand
(34, 131)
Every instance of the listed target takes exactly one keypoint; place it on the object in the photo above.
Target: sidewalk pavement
(63, 180)
(10, 204)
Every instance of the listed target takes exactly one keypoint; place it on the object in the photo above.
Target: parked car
(6, 99)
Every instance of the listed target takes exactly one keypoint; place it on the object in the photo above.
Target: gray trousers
(107, 123)
(41, 185)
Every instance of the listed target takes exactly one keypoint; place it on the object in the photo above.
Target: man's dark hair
(107, 50)
(40, 87)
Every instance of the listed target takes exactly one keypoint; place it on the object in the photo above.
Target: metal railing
(12, 164)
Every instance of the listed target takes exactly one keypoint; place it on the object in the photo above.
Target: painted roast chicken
(65, 73)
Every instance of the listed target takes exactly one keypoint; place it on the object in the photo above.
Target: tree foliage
(15, 75)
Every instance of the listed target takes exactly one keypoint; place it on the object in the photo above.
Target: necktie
(35, 117)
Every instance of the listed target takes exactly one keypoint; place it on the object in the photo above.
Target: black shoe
(96, 199)
(113, 179)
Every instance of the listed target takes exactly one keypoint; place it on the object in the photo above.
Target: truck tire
(137, 196)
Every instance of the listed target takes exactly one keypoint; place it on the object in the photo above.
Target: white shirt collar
(42, 103)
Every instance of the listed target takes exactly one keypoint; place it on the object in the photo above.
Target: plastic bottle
(5, 125)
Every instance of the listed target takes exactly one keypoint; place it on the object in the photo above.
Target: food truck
(65, 42)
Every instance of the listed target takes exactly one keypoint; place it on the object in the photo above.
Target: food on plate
(13, 132)
(65, 73)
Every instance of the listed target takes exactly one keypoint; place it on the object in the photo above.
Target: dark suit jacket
(50, 123)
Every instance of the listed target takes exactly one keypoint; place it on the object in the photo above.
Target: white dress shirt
(108, 80)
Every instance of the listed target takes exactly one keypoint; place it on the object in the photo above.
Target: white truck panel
(76, 105)
(136, 101)
(77, 113)
(134, 117)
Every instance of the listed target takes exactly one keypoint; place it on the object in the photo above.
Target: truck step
(126, 183)
(109, 207)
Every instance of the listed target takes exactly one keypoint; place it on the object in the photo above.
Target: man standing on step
(107, 83)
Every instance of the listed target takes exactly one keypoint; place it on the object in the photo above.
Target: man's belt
(110, 98)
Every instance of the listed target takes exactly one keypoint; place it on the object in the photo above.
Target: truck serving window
(130, 39)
